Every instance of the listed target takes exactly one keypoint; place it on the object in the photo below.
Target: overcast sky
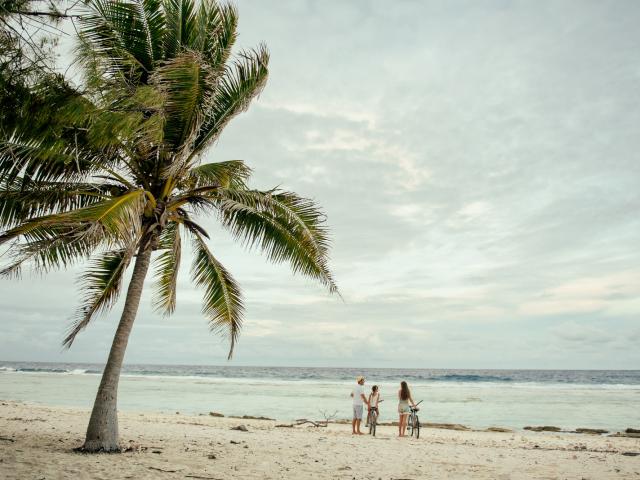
(479, 166)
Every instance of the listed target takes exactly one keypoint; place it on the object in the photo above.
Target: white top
(374, 399)
(358, 391)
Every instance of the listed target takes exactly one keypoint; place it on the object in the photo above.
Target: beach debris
(345, 468)
(212, 456)
(234, 442)
(134, 447)
(163, 470)
(545, 428)
(6, 439)
(216, 414)
(156, 451)
(241, 428)
(630, 454)
(304, 421)
(591, 431)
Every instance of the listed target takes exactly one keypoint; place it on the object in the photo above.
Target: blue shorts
(357, 412)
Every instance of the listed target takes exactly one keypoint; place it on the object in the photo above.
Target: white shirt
(358, 391)
(375, 399)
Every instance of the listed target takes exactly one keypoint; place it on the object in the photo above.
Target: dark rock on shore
(632, 430)
(545, 428)
(499, 429)
(251, 417)
(591, 431)
(446, 426)
(216, 414)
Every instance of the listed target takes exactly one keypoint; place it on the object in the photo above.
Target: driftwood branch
(328, 417)
(162, 470)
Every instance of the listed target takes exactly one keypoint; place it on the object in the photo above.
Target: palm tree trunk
(102, 433)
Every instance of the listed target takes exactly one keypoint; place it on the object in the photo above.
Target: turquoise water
(477, 398)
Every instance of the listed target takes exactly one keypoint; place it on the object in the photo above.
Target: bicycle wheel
(374, 423)
(417, 427)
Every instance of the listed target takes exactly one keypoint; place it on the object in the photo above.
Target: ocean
(477, 398)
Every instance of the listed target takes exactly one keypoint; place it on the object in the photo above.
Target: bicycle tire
(417, 428)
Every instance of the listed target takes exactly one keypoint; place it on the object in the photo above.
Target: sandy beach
(37, 442)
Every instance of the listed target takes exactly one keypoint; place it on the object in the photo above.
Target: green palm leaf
(53, 247)
(229, 174)
(243, 81)
(186, 83)
(21, 199)
(283, 226)
(222, 304)
(101, 284)
(168, 264)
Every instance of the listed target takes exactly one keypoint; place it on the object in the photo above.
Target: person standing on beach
(404, 399)
(373, 403)
(359, 400)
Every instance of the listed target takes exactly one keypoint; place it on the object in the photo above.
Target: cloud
(477, 164)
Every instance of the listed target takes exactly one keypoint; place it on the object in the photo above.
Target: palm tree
(112, 173)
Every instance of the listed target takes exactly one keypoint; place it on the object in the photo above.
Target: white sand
(180, 446)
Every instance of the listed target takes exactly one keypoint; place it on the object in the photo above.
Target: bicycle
(372, 420)
(413, 422)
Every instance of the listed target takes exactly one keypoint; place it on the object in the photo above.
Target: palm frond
(242, 82)
(229, 174)
(222, 304)
(283, 226)
(101, 284)
(118, 218)
(53, 247)
(185, 82)
(21, 199)
(181, 25)
(123, 39)
(168, 264)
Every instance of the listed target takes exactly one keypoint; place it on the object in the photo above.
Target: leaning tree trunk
(102, 433)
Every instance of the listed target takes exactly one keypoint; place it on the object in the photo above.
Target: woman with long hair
(404, 400)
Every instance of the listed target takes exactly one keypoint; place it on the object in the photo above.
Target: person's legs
(353, 422)
(357, 418)
(403, 424)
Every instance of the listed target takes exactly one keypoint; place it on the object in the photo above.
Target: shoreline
(630, 432)
(38, 441)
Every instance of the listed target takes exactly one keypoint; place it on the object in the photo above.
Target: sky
(478, 164)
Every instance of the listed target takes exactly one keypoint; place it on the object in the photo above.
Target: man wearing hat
(359, 400)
